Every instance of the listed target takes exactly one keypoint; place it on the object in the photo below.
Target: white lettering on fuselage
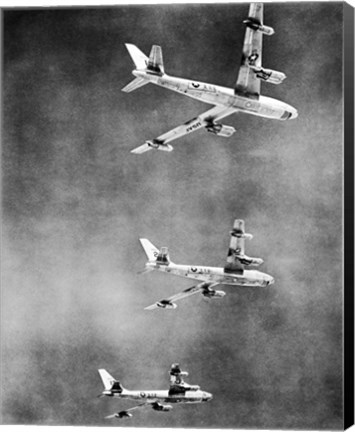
(193, 126)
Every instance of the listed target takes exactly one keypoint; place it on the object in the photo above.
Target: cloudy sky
(75, 202)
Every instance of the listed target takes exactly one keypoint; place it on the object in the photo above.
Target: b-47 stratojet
(235, 271)
(160, 400)
(244, 97)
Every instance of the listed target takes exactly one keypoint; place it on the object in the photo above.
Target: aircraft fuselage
(215, 274)
(195, 396)
(216, 95)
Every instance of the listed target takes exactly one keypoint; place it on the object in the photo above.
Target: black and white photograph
(172, 215)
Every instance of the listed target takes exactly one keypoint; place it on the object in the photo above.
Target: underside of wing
(207, 119)
(127, 412)
(142, 149)
(168, 303)
(248, 83)
(236, 248)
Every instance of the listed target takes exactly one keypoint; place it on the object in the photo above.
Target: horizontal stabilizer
(133, 85)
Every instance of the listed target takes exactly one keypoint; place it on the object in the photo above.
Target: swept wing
(203, 120)
(127, 412)
(168, 303)
(247, 82)
(236, 248)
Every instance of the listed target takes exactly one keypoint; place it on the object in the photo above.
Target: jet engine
(175, 370)
(252, 261)
(213, 294)
(122, 414)
(239, 234)
(165, 304)
(159, 407)
(269, 75)
(157, 145)
(189, 387)
(220, 129)
(255, 24)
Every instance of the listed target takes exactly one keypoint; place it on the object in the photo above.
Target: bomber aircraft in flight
(233, 273)
(160, 400)
(244, 97)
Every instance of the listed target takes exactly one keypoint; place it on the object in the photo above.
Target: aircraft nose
(294, 113)
(271, 280)
(207, 397)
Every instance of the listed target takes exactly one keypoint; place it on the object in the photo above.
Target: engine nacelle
(165, 304)
(123, 414)
(175, 370)
(220, 129)
(269, 75)
(155, 144)
(193, 387)
(159, 407)
(239, 234)
(256, 25)
(256, 261)
(250, 260)
(214, 294)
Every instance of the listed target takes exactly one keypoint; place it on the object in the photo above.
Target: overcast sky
(75, 202)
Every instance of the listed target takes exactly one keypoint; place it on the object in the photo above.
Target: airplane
(233, 273)
(179, 392)
(244, 97)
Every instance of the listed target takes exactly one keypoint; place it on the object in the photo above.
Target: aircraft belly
(182, 399)
(257, 108)
(240, 280)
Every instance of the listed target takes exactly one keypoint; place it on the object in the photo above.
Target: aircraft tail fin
(155, 61)
(109, 382)
(139, 59)
(153, 64)
(133, 85)
(150, 250)
(155, 255)
(107, 379)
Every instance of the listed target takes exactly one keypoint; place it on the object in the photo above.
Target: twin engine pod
(213, 294)
(269, 75)
(123, 414)
(220, 129)
(255, 24)
(159, 407)
(165, 304)
(240, 234)
(157, 145)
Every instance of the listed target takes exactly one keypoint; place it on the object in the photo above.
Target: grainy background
(75, 202)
